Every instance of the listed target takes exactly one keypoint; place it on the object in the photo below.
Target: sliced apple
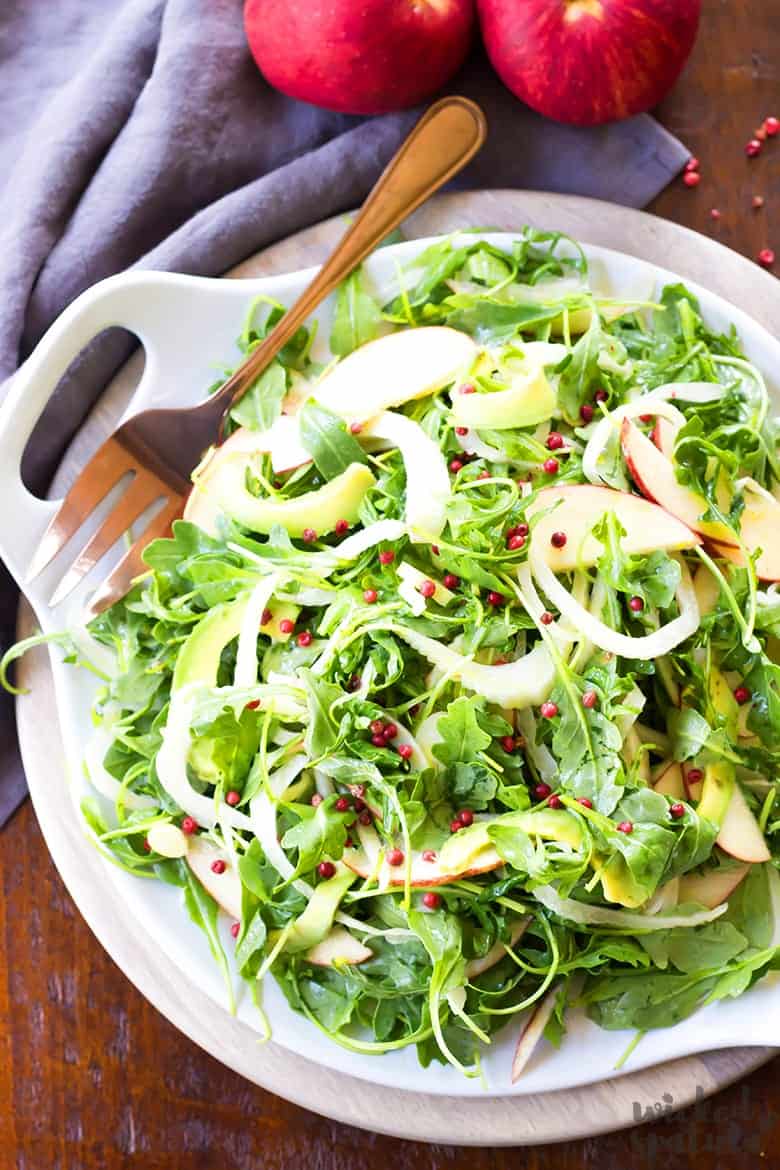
(707, 590)
(670, 782)
(530, 399)
(339, 946)
(224, 887)
(712, 888)
(576, 508)
(631, 752)
(533, 1030)
(759, 529)
(654, 475)
(740, 835)
(395, 369)
(281, 441)
(665, 898)
(220, 489)
(664, 434)
(497, 952)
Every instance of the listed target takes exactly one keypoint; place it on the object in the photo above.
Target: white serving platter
(188, 325)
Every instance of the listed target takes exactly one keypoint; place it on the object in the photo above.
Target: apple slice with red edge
(663, 435)
(224, 887)
(759, 529)
(670, 782)
(740, 835)
(574, 509)
(338, 946)
(533, 1030)
(497, 952)
(655, 477)
(715, 886)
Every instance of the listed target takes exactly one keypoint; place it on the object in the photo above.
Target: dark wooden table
(92, 1077)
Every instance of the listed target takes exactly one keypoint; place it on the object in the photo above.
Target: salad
(454, 698)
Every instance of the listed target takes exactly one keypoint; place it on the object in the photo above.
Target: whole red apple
(589, 61)
(359, 56)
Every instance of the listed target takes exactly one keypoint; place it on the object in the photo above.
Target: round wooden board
(488, 1121)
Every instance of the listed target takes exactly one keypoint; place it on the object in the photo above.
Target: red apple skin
(589, 61)
(359, 56)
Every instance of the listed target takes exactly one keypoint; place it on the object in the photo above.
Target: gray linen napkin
(141, 134)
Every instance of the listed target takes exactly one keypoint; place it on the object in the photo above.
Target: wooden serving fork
(160, 448)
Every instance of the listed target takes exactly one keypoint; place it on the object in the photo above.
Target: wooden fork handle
(446, 138)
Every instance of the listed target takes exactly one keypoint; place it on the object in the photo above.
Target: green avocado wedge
(317, 919)
(198, 660)
(221, 490)
(550, 824)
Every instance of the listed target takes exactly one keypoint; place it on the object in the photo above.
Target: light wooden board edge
(490, 1121)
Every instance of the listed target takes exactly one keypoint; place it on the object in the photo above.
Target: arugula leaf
(321, 731)
(357, 317)
(203, 911)
(462, 739)
(587, 746)
(654, 577)
(330, 997)
(326, 438)
(470, 785)
(582, 373)
(694, 949)
(691, 735)
(763, 681)
(262, 404)
(750, 907)
(320, 832)
(249, 951)
(646, 1000)
(223, 750)
(490, 321)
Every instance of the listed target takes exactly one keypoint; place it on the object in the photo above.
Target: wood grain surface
(92, 1076)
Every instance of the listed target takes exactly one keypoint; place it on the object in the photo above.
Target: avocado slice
(529, 399)
(717, 790)
(316, 920)
(723, 702)
(618, 882)
(221, 489)
(279, 611)
(550, 824)
(198, 659)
